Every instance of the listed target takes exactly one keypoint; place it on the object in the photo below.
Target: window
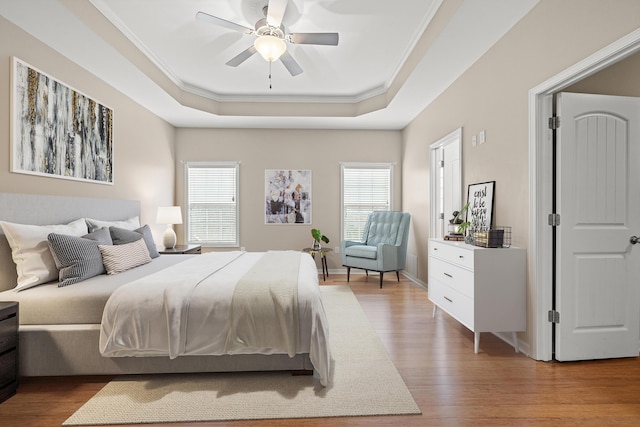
(212, 208)
(366, 187)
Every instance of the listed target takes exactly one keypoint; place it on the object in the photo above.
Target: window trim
(219, 164)
(364, 165)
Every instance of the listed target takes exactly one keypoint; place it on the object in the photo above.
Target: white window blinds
(365, 188)
(212, 208)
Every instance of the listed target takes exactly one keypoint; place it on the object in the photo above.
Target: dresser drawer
(453, 302)
(453, 253)
(8, 364)
(8, 332)
(453, 276)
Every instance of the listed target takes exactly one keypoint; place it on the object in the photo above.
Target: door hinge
(554, 220)
(441, 163)
(554, 316)
(441, 215)
(554, 122)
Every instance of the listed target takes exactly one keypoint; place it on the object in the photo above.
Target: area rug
(364, 382)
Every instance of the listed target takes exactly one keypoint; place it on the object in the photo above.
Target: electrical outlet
(483, 137)
(336, 249)
(242, 249)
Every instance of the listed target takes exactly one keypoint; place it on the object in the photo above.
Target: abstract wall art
(287, 196)
(57, 131)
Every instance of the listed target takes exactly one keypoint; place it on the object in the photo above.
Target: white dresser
(482, 288)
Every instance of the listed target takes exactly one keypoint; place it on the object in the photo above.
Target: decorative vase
(468, 238)
(315, 245)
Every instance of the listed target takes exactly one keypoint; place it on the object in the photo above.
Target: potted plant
(317, 238)
(461, 225)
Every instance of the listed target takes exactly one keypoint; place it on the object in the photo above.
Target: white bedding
(184, 310)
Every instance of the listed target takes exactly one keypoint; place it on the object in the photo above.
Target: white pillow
(128, 224)
(119, 258)
(30, 250)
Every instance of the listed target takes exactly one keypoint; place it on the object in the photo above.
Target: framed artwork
(57, 131)
(481, 203)
(287, 196)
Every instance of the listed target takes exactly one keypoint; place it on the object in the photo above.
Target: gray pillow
(78, 258)
(121, 236)
(129, 224)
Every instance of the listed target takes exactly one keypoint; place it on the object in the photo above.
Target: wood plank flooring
(452, 385)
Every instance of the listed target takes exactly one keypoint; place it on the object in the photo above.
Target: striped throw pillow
(78, 258)
(119, 258)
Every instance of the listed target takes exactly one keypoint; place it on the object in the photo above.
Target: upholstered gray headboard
(43, 210)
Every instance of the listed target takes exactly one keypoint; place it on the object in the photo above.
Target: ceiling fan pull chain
(270, 62)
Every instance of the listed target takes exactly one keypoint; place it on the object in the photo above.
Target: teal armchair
(383, 246)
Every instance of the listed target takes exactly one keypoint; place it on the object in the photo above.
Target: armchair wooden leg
(381, 274)
(398, 275)
(348, 272)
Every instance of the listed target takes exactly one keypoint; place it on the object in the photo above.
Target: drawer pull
(448, 275)
(448, 299)
(461, 256)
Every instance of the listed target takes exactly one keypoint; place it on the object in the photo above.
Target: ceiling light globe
(270, 47)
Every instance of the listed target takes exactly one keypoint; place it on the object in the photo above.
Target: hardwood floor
(451, 385)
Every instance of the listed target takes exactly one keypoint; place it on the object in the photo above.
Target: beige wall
(622, 78)
(321, 151)
(143, 143)
(493, 96)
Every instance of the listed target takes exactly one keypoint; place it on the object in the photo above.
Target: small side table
(323, 258)
(182, 249)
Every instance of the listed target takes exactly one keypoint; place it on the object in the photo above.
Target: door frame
(540, 184)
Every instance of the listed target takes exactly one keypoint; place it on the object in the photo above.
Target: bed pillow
(129, 224)
(78, 258)
(121, 236)
(119, 258)
(30, 250)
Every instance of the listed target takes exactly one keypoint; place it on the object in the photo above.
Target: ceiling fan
(271, 37)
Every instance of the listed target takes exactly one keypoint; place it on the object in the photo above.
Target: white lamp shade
(270, 47)
(169, 215)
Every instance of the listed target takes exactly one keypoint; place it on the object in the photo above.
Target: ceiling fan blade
(275, 12)
(242, 56)
(329, 39)
(290, 64)
(223, 23)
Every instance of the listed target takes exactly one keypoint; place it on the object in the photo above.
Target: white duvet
(185, 310)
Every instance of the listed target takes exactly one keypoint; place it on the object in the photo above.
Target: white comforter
(185, 310)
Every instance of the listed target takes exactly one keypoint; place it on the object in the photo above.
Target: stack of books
(454, 237)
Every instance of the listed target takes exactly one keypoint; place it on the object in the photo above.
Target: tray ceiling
(383, 72)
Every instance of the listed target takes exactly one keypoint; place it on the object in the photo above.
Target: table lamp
(169, 215)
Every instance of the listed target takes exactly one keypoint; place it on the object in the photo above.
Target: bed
(79, 329)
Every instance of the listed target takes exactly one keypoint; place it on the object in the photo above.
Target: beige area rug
(364, 382)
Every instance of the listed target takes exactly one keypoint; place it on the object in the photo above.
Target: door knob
(634, 239)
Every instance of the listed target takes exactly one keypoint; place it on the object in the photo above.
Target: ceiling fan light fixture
(270, 47)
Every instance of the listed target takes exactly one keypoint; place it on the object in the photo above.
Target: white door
(598, 199)
(452, 181)
(446, 181)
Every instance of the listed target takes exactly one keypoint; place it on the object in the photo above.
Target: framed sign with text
(481, 202)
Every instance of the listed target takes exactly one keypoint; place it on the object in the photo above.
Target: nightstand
(8, 349)
(182, 249)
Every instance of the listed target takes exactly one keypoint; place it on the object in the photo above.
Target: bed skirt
(66, 350)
